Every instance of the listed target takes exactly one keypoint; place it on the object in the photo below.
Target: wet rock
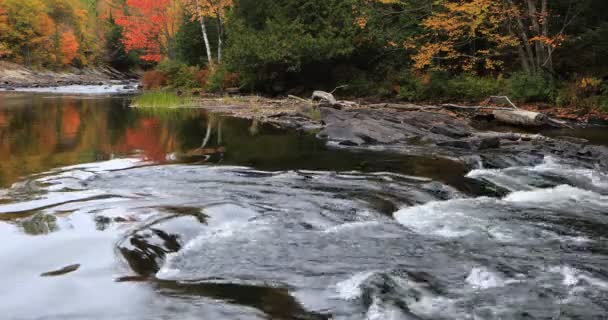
(421, 132)
(102, 222)
(128, 87)
(62, 271)
(458, 144)
(489, 143)
(9, 89)
(146, 248)
(40, 223)
(452, 131)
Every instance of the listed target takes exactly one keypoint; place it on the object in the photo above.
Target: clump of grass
(314, 113)
(162, 99)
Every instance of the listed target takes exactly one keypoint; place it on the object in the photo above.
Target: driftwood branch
(299, 99)
(339, 87)
(474, 108)
(505, 98)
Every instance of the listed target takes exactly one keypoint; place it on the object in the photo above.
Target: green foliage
(178, 74)
(441, 86)
(525, 87)
(215, 82)
(475, 88)
(266, 37)
(189, 43)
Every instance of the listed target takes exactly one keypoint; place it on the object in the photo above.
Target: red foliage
(146, 136)
(69, 47)
(202, 77)
(148, 26)
(70, 123)
(154, 80)
(231, 80)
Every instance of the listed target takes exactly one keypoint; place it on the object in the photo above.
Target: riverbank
(14, 76)
(473, 137)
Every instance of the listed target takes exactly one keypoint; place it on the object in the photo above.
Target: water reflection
(40, 132)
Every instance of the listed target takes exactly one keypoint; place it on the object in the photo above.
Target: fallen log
(324, 97)
(521, 118)
(512, 136)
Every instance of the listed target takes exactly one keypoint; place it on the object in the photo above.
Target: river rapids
(227, 242)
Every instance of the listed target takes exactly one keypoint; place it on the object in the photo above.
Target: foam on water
(482, 278)
(573, 277)
(350, 288)
(527, 178)
(559, 194)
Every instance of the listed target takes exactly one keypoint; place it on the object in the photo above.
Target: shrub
(202, 77)
(524, 87)
(154, 80)
(220, 79)
(473, 88)
(178, 74)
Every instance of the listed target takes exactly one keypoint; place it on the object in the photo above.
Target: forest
(535, 51)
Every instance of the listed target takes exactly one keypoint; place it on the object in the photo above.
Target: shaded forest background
(417, 50)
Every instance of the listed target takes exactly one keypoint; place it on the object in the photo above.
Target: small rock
(62, 271)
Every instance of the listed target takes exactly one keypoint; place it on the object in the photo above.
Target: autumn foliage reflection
(38, 134)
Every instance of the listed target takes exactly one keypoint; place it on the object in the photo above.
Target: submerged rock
(40, 223)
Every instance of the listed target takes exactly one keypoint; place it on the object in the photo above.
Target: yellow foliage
(454, 31)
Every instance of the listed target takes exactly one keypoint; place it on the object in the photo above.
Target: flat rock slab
(435, 133)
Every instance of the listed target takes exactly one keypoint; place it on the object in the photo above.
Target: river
(178, 214)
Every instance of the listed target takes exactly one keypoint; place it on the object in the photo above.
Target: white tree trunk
(220, 33)
(206, 38)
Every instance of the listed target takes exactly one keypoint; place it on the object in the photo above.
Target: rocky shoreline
(13, 77)
(424, 130)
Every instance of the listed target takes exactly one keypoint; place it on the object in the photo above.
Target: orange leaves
(69, 47)
(149, 26)
(208, 8)
(466, 35)
(361, 22)
(552, 42)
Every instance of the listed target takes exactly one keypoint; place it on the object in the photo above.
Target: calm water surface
(258, 223)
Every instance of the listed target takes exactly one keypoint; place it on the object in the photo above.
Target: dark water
(257, 223)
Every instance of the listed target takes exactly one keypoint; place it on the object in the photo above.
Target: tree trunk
(535, 27)
(206, 38)
(220, 34)
(548, 63)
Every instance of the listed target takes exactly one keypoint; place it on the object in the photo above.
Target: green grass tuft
(162, 99)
